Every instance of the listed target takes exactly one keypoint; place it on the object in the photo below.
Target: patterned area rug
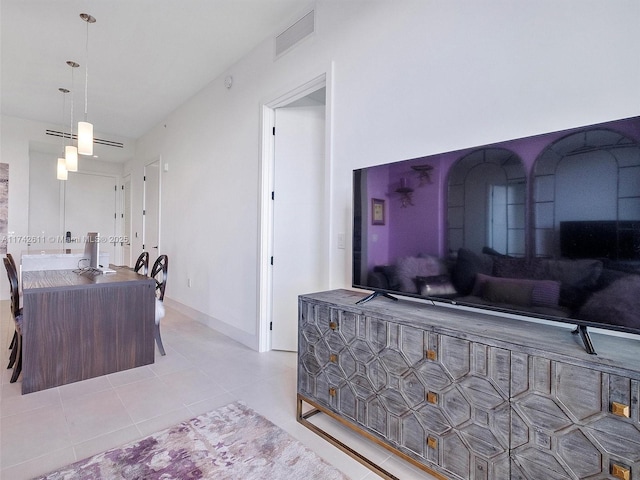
(232, 442)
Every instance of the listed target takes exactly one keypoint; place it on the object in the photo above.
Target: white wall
(15, 135)
(405, 78)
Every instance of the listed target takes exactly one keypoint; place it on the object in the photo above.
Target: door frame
(127, 219)
(267, 167)
(157, 160)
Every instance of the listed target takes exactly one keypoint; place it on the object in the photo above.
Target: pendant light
(70, 151)
(62, 173)
(62, 162)
(85, 129)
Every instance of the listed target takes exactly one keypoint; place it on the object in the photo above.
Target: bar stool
(159, 274)
(142, 264)
(15, 359)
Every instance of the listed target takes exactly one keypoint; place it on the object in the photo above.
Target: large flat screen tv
(546, 226)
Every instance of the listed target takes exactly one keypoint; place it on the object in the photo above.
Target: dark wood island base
(83, 325)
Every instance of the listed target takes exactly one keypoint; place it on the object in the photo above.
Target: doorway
(295, 213)
(297, 209)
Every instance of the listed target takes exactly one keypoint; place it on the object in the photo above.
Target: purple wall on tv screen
(378, 235)
(418, 222)
(421, 228)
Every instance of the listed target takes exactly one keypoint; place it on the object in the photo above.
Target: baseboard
(247, 339)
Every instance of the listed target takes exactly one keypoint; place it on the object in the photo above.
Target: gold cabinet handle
(332, 392)
(333, 325)
(620, 409)
(432, 355)
(432, 443)
(618, 471)
(432, 397)
(333, 358)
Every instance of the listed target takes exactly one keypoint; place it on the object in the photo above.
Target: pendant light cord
(86, 75)
(72, 87)
(64, 102)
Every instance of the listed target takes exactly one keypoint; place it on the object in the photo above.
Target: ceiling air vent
(97, 141)
(295, 33)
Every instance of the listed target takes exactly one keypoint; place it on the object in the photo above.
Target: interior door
(90, 206)
(126, 221)
(298, 263)
(151, 220)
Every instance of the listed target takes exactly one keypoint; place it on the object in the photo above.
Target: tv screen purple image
(546, 226)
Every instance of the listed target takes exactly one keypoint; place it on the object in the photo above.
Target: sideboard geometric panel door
(573, 422)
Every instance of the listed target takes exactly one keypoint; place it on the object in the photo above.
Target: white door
(151, 209)
(90, 206)
(298, 204)
(126, 221)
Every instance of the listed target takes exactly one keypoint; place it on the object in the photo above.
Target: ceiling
(146, 57)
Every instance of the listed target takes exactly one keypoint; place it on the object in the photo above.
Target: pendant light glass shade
(71, 158)
(62, 169)
(85, 138)
(85, 129)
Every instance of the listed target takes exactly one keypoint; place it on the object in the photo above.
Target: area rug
(232, 442)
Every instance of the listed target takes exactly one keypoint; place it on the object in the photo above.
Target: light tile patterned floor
(202, 370)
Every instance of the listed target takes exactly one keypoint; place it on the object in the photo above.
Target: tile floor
(202, 370)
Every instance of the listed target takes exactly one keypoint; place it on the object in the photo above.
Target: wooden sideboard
(82, 325)
(469, 395)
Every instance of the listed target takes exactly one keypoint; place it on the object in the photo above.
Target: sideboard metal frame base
(370, 464)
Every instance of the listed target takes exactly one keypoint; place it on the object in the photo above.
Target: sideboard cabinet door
(468, 388)
(337, 364)
(570, 421)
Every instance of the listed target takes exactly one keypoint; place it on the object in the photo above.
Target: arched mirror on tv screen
(543, 227)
